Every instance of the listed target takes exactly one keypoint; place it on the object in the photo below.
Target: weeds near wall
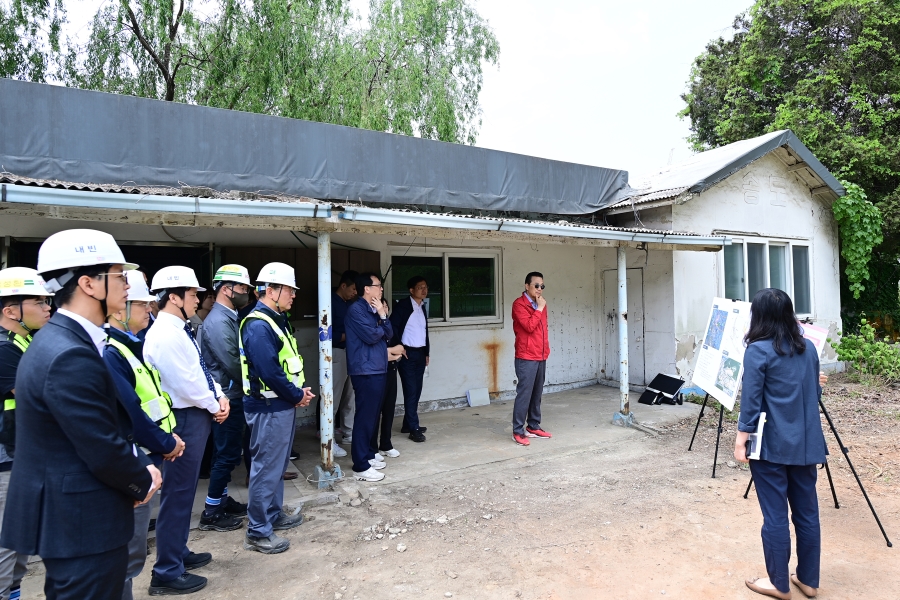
(875, 360)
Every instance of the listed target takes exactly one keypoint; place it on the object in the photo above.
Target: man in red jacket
(529, 313)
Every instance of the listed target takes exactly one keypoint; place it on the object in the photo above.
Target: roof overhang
(312, 216)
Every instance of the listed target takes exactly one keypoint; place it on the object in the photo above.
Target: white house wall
(766, 200)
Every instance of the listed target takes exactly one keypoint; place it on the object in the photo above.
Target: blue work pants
(229, 442)
(778, 486)
(369, 400)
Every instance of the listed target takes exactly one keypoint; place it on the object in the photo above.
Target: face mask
(240, 300)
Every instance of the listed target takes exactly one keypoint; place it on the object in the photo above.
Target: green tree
(827, 69)
(414, 68)
(29, 38)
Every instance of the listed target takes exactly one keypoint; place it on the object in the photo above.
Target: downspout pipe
(624, 417)
(328, 472)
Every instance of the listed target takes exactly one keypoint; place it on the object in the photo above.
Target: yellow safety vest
(22, 344)
(288, 356)
(155, 402)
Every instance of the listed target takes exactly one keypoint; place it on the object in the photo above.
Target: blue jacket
(367, 338)
(261, 346)
(146, 433)
(75, 477)
(787, 389)
(338, 315)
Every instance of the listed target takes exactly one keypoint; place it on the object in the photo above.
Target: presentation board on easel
(720, 362)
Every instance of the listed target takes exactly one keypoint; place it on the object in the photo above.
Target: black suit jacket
(403, 310)
(76, 476)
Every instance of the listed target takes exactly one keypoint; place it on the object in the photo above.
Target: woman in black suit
(781, 378)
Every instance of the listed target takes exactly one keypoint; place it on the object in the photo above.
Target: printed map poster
(720, 363)
(817, 335)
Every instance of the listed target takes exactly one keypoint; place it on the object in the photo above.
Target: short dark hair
(772, 318)
(64, 296)
(531, 275)
(413, 281)
(364, 279)
(179, 291)
(11, 300)
(348, 277)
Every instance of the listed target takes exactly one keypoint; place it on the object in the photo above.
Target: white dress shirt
(414, 332)
(168, 348)
(97, 335)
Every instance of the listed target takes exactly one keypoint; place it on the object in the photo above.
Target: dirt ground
(635, 519)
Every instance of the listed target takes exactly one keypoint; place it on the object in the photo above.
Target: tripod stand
(718, 433)
(846, 452)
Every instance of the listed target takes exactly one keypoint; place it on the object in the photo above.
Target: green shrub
(869, 355)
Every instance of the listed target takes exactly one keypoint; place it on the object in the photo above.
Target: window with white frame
(463, 286)
(751, 264)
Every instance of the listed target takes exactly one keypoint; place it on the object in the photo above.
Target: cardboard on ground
(720, 363)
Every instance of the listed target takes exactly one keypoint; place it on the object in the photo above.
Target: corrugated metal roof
(204, 192)
(704, 170)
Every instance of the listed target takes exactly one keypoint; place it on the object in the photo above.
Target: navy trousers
(229, 442)
(412, 373)
(388, 406)
(97, 576)
(369, 399)
(778, 486)
(176, 498)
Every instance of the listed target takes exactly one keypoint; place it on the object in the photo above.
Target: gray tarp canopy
(52, 132)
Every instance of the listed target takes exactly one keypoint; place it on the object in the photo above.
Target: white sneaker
(346, 440)
(392, 453)
(338, 451)
(379, 457)
(377, 465)
(368, 475)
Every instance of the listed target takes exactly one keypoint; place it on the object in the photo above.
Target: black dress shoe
(405, 429)
(152, 525)
(233, 508)
(195, 560)
(188, 583)
(219, 521)
(417, 436)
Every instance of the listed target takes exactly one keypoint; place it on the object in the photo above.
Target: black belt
(422, 348)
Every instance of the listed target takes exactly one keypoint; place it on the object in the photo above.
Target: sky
(585, 81)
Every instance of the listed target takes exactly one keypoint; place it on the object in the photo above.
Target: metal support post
(624, 416)
(328, 472)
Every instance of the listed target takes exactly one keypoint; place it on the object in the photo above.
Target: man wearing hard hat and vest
(141, 394)
(73, 456)
(272, 371)
(197, 400)
(24, 308)
(220, 349)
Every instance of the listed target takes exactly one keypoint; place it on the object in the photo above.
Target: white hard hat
(235, 273)
(277, 273)
(175, 277)
(138, 292)
(78, 248)
(20, 281)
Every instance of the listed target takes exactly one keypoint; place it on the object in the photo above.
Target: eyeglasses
(378, 285)
(141, 304)
(539, 286)
(108, 275)
(40, 302)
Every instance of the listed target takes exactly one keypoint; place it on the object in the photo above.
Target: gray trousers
(137, 548)
(270, 449)
(12, 564)
(343, 394)
(530, 374)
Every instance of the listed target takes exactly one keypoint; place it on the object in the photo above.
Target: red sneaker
(521, 440)
(537, 433)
